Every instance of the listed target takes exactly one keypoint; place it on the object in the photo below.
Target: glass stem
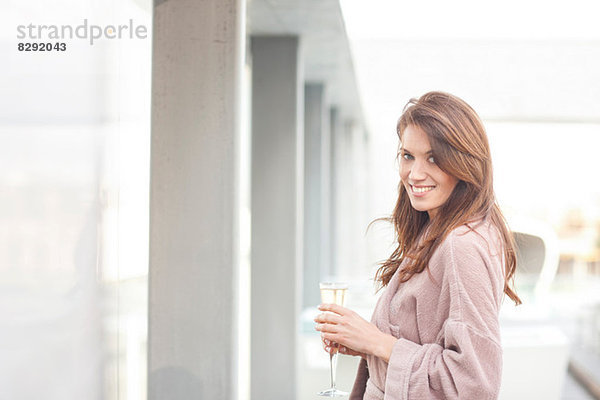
(333, 367)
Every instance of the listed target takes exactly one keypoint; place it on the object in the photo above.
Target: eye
(431, 160)
(407, 156)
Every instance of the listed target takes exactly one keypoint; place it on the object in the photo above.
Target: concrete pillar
(326, 190)
(345, 245)
(277, 202)
(350, 198)
(317, 192)
(197, 61)
(360, 187)
(336, 132)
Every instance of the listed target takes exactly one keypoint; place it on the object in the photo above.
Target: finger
(348, 351)
(328, 318)
(327, 348)
(336, 308)
(330, 336)
(326, 343)
(325, 328)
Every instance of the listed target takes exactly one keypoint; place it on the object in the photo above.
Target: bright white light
(472, 19)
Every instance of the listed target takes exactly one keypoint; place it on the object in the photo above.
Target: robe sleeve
(360, 383)
(466, 361)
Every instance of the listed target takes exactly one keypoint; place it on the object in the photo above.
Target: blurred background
(76, 213)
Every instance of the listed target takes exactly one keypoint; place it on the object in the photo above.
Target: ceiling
(324, 44)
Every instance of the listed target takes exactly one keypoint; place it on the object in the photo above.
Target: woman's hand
(332, 348)
(352, 332)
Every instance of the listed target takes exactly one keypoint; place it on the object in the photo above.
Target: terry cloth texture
(448, 332)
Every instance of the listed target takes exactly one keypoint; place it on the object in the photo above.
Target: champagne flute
(333, 293)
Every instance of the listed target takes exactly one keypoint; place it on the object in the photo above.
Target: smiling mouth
(421, 189)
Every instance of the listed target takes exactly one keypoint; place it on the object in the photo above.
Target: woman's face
(427, 185)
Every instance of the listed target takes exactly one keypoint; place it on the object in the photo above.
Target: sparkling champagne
(333, 293)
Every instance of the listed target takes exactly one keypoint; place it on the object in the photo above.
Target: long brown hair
(461, 149)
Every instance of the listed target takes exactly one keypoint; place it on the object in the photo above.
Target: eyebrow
(409, 152)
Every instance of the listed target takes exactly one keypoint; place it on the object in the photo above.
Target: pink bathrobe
(448, 333)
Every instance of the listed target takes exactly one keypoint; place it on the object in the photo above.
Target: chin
(421, 208)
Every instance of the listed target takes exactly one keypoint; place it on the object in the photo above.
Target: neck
(432, 213)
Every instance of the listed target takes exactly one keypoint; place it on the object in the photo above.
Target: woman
(435, 335)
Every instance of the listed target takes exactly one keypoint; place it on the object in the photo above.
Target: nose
(417, 171)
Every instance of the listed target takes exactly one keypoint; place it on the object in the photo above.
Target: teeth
(422, 189)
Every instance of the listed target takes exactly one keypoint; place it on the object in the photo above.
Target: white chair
(536, 352)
